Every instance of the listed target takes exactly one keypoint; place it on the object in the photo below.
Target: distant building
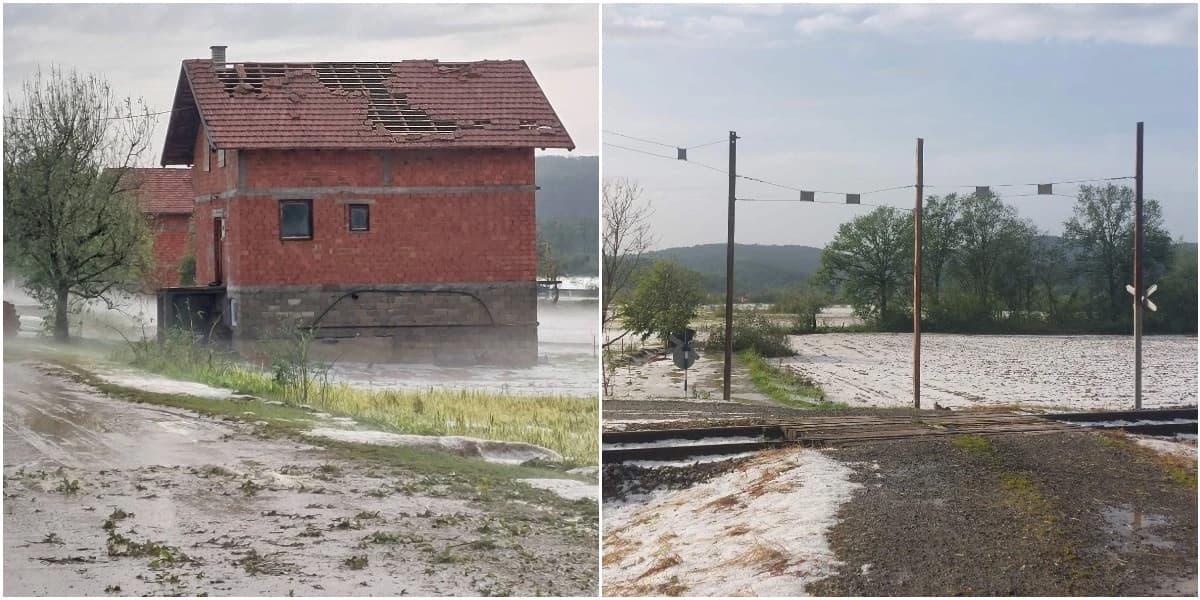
(166, 198)
(388, 202)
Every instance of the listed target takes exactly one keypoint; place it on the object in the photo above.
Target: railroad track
(817, 431)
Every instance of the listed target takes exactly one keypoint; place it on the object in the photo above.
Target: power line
(1028, 195)
(813, 202)
(641, 139)
(1032, 184)
(129, 116)
(670, 158)
(664, 144)
(811, 192)
(722, 141)
(796, 189)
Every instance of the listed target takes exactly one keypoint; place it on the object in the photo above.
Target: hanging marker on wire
(853, 198)
(681, 153)
(807, 196)
(1045, 189)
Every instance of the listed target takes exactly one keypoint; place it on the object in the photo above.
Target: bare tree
(627, 236)
(73, 229)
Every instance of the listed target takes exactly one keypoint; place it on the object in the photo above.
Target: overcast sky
(834, 97)
(138, 48)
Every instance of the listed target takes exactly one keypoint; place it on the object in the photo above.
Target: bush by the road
(752, 330)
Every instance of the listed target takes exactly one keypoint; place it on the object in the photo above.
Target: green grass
(975, 444)
(464, 478)
(783, 385)
(565, 424)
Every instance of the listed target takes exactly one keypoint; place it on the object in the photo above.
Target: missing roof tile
(388, 110)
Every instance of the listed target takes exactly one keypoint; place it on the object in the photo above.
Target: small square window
(360, 217)
(295, 219)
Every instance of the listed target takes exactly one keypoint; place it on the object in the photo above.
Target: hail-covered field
(1069, 372)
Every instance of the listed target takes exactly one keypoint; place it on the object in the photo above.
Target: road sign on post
(1146, 301)
(682, 353)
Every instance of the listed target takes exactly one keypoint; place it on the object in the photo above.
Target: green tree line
(985, 269)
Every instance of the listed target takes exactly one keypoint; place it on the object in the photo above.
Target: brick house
(389, 203)
(166, 198)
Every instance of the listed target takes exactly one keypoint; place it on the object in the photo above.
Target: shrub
(187, 270)
(755, 331)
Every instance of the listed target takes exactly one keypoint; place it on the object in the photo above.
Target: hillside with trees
(567, 219)
(758, 270)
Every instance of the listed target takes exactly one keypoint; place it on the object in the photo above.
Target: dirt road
(1075, 513)
(102, 496)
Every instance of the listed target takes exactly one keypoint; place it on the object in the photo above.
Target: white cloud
(1144, 25)
(670, 24)
(1150, 24)
(822, 23)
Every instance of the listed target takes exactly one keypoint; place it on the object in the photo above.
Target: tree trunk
(61, 325)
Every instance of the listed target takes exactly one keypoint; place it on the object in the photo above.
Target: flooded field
(1074, 372)
(568, 349)
(568, 361)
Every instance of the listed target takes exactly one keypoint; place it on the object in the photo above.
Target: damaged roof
(161, 191)
(409, 104)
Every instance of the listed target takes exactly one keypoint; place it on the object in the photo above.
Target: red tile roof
(162, 191)
(409, 104)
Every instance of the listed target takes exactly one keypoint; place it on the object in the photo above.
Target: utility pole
(917, 210)
(1138, 290)
(729, 268)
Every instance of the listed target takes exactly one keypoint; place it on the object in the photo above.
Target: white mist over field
(568, 361)
(130, 315)
(568, 348)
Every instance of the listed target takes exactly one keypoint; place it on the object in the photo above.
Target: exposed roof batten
(356, 105)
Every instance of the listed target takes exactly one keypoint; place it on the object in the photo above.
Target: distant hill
(568, 187)
(568, 210)
(756, 267)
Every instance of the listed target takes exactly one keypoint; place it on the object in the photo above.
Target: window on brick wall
(360, 216)
(295, 219)
(221, 159)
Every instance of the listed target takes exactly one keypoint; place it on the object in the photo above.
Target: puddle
(1133, 527)
(708, 441)
(567, 488)
(490, 450)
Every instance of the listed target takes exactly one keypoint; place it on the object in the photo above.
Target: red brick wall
(324, 168)
(217, 179)
(437, 237)
(170, 244)
(413, 238)
(205, 271)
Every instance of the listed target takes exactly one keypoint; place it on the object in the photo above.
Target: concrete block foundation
(442, 323)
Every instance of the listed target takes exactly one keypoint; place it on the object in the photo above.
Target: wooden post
(917, 209)
(729, 268)
(1138, 290)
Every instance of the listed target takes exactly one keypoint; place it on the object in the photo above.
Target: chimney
(218, 56)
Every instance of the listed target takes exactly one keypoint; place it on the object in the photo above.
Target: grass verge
(783, 385)
(565, 424)
(464, 478)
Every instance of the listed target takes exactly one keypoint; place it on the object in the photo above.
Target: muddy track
(106, 496)
(1068, 514)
